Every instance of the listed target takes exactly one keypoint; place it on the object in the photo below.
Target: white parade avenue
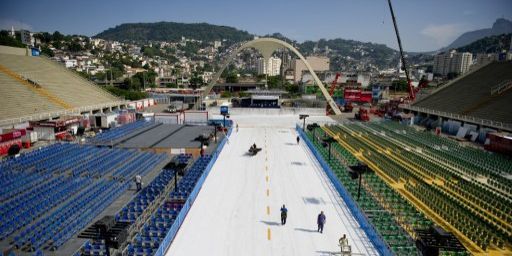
(237, 209)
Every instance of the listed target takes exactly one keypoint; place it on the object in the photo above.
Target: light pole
(303, 117)
(312, 128)
(327, 142)
(216, 125)
(357, 171)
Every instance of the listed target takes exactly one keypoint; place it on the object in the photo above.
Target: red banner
(12, 135)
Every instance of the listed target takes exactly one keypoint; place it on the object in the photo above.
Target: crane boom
(333, 84)
(402, 57)
(328, 110)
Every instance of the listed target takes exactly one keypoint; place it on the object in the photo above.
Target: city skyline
(313, 20)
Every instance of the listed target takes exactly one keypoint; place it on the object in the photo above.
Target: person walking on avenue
(321, 221)
(236, 127)
(284, 214)
(298, 140)
(138, 182)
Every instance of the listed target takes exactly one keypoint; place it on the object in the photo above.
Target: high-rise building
(452, 62)
(271, 68)
(317, 63)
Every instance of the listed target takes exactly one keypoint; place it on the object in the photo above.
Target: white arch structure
(266, 46)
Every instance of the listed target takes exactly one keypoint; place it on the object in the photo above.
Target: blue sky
(424, 24)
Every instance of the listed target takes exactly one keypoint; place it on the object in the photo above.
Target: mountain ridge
(500, 26)
(172, 31)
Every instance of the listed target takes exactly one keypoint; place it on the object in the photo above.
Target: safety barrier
(369, 230)
(166, 243)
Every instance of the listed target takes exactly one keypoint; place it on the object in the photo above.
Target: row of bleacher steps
(142, 207)
(500, 108)
(18, 100)
(49, 195)
(60, 82)
(463, 186)
(463, 93)
(148, 240)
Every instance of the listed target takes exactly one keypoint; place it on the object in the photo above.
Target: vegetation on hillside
(491, 44)
(172, 31)
(356, 50)
(5, 39)
(126, 94)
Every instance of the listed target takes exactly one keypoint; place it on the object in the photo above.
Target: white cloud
(442, 34)
(8, 23)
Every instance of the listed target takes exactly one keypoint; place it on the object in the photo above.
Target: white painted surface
(229, 216)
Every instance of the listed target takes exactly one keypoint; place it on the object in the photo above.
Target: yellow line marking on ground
(269, 235)
(266, 178)
(268, 210)
(268, 192)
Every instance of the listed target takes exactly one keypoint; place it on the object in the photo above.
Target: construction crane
(412, 94)
(328, 110)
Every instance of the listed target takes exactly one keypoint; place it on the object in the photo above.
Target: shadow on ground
(313, 200)
(271, 223)
(307, 230)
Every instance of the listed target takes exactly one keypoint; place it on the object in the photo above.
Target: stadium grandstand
(482, 97)
(60, 199)
(38, 88)
(132, 182)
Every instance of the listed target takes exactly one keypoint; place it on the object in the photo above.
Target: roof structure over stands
(36, 88)
(483, 96)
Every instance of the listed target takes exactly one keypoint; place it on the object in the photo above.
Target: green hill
(491, 44)
(172, 31)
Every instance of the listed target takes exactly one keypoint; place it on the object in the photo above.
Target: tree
(47, 51)
(5, 39)
(232, 78)
(243, 94)
(131, 84)
(226, 94)
(100, 76)
(274, 81)
(57, 36)
(127, 94)
(74, 47)
(400, 85)
(291, 88)
(57, 44)
(45, 37)
(196, 81)
(151, 51)
(261, 77)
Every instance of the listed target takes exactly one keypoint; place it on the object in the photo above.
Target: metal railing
(501, 87)
(363, 221)
(464, 118)
(52, 114)
(171, 234)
